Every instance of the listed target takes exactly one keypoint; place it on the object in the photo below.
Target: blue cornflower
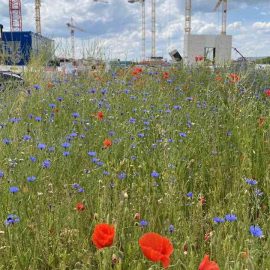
(51, 149)
(52, 105)
(66, 145)
(41, 146)
(38, 118)
(33, 159)
(218, 220)
(258, 192)
(133, 157)
(100, 163)
(14, 189)
(132, 120)
(60, 99)
(155, 174)
(251, 182)
(80, 190)
(189, 194)
(37, 86)
(26, 137)
(76, 186)
(6, 141)
(14, 120)
(111, 133)
(122, 175)
(143, 223)
(31, 178)
(66, 153)
(231, 217)
(170, 140)
(256, 231)
(76, 115)
(140, 135)
(92, 153)
(1, 174)
(73, 134)
(106, 173)
(12, 219)
(46, 164)
(95, 160)
(183, 134)
(177, 107)
(171, 228)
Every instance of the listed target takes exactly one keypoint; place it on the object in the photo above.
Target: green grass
(224, 143)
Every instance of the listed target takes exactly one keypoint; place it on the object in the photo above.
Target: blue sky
(113, 29)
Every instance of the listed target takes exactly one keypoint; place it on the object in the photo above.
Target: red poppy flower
(103, 235)
(165, 75)
(100, 115)
(107, 143)
(206, 264)
(267, 92)
(136, 71)
(80, 207)
(199, 58)
(156, 248)
(234, 77)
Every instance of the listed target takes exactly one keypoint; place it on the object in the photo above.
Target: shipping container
(18, 47)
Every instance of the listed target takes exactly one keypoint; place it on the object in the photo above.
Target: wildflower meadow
(139, 168)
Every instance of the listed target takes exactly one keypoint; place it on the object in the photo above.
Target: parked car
(9, 79)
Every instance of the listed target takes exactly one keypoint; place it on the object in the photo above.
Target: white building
(215, 48)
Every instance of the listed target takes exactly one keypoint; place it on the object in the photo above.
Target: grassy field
(189, 159)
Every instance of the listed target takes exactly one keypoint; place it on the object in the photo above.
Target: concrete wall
(194, 45)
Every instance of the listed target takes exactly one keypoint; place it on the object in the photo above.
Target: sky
(113, 29)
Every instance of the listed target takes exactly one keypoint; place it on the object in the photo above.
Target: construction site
(18, 44)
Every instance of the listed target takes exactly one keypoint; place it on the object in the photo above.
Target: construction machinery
(142, 26)
(37, 16)
(72, 29)
(224, 14)
(15, 15)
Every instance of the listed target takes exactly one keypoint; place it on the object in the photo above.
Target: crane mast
(143, 29)
(72, 28)
(224, 14)
(37, 10)
(153, 54)
(15, 15)
(188, 17)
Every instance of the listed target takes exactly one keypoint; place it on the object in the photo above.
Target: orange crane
(72, 29)
(38, 22)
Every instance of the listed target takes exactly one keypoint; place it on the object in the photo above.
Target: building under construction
(215, 49)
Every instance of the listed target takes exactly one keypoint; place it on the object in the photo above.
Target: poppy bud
(80, 207)
(114, 259)
(137, 216)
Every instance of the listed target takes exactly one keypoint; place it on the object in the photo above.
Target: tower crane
(142, 26)
(224, 14)
(15, 15)
(37, 10)
(188, 17)
(72, 28)
(153, 51)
